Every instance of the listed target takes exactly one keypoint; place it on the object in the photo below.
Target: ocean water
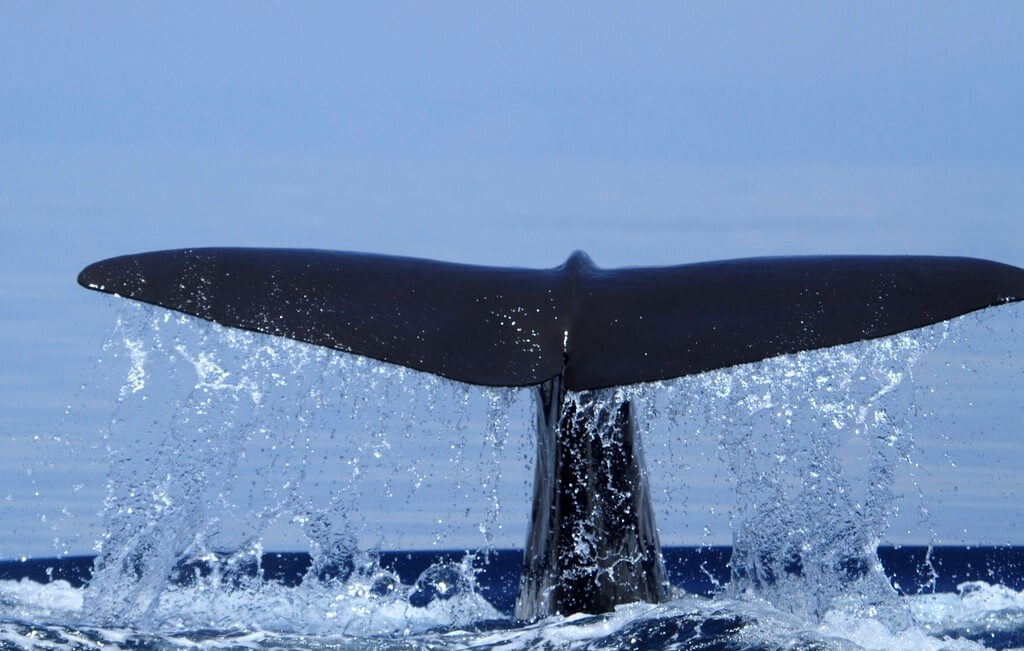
(450, 599)
(258, 493)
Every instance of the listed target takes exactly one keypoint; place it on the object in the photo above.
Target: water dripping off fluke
(261, 452)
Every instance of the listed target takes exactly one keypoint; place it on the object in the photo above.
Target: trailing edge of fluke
(592, 327)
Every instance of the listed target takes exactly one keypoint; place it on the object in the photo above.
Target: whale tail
(594, 327)
(573, 329)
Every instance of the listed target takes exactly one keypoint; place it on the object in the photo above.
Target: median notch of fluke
(572, 332)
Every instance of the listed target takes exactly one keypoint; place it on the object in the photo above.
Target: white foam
(273, 614)
(30, 600)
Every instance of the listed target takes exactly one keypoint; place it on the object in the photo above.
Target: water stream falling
(279, 445)
(812, 443)
(225, 445)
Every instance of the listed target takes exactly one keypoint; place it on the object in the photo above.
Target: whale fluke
(571, 332)
(596, 328)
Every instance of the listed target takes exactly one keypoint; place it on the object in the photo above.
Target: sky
(493, 133)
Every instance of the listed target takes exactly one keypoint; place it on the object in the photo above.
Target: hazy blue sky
(499, 132)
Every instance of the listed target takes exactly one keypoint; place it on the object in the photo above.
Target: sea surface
(943, 598)
(250, 492)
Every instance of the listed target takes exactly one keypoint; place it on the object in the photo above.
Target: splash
(224, 444)
(257, 450)
(812, 443)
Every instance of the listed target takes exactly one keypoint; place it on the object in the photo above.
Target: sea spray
(311, 443)
(812, 444)
(280, 441)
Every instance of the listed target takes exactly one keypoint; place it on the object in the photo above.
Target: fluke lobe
(574, 333)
